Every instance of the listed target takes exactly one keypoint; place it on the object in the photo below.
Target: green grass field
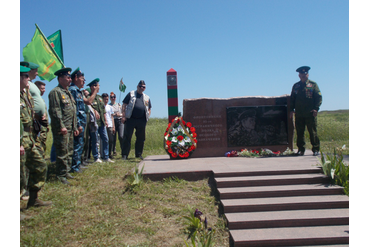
(97, 210)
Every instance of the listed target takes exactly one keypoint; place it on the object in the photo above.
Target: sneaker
(316, 153)
(109, 160)
(140, 157)
(98, 161)
(69, 176)
(300, 153)
(124, 157)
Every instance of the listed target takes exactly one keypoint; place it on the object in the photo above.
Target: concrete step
(293, 218)
(267, 171)
(285, 203)
(279, 191)
(271, 180)
(328, 245)
(291, 236)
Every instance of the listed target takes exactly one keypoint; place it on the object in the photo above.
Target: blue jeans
(78, 146)
(94, 143)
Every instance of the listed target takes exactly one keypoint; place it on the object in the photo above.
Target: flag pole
(50, 45)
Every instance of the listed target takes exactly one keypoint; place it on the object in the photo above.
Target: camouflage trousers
(33, 168)
(41, 140)
(64, 151)
(300, 125)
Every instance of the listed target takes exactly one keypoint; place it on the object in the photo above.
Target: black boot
(35, 202)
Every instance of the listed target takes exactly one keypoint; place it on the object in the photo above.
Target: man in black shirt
(136, 109)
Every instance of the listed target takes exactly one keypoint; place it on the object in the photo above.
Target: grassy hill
(98, 210)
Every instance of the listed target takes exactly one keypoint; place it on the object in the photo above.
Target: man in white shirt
(109, 123)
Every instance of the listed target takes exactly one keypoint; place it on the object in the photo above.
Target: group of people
(81, 120)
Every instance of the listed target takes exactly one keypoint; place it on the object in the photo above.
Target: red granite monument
(236, 123)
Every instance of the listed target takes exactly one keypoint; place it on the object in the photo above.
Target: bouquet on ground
(254, 153)
(180, 139)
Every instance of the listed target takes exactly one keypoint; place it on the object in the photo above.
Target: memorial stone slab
(251, 122)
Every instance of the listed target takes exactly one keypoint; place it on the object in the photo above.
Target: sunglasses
(26, 75)
(142, 86)
(112, 97)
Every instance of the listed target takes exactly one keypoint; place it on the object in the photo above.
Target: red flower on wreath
(192, 129)
(180, 138)
(188, 124)
(174, 155)
(194, 134)
(168, 143)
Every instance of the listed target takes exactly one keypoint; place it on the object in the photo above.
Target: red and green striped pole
(173, 108)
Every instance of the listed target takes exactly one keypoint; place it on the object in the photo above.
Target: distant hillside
(335, 111)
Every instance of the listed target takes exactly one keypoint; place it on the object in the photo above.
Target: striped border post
(173, 108)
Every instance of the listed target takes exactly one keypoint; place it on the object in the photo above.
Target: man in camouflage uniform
(62, 112)
(30, 158)
(305, 101)
(78, 81)
(41, 116)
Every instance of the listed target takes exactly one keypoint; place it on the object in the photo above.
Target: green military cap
(29, 65)
(88, 89)
(24, 69)
(94, 82)
(77, 72)
(63, 71)
(303, 69)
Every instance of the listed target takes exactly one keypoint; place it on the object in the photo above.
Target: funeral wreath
(180, 139)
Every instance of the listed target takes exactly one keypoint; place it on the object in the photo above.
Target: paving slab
(158, 167)
(294, 236)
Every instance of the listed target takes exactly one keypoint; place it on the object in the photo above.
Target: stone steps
(291, 218)
(279, 191)
(283, 208)
(284, 203)
(269, 171)
(271, 180)
(291, 236)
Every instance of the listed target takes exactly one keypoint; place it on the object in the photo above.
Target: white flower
(182, 143)
(180, 129)
(332, 173)
(174, 131)
(174, 139)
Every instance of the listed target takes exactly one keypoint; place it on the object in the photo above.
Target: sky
(220, 49)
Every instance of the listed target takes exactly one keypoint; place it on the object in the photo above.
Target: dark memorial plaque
(229, 124)
(257, 126)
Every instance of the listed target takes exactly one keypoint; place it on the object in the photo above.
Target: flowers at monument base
(254, 153)
(232, 154)
(180, 139)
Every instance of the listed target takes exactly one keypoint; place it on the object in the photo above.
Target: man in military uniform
(305, 101)
(41, 116)
(62, 111)
(78, 81)
(99, 108)
(30, 156)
